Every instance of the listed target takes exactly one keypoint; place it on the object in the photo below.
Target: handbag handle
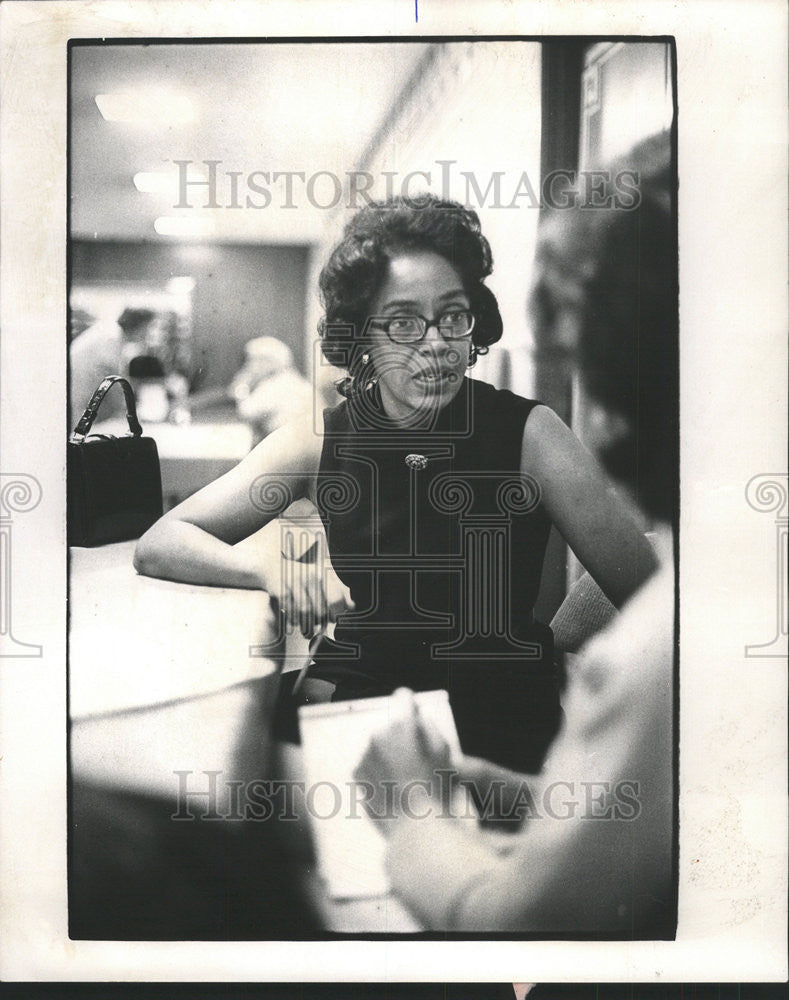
(87, 418)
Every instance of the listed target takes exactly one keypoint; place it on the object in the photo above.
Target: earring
(476, 352)
(365, 358)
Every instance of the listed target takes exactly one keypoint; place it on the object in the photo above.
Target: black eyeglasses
(454, 324)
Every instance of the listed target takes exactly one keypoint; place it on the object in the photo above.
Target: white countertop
(136, 642)
(215, 441)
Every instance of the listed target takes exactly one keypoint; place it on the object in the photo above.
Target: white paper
(351, 851)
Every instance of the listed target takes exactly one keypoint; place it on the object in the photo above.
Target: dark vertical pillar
(562, 66)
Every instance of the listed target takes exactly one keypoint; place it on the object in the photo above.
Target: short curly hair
(358, 265)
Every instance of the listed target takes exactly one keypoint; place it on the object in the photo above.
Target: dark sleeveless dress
(443, 564)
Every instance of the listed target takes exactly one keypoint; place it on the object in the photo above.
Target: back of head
(269, 353)
(616, 269)
(133, 321)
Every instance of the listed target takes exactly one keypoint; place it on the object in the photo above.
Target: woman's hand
(296, 571)
(407, 768)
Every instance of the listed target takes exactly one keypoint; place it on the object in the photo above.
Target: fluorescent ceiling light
(184, 225)
(181, 285)
(144, 107)
(153, 183)
(164, 183)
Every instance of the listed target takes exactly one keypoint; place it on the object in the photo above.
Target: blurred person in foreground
(591, 842)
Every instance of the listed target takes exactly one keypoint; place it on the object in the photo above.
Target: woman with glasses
(436, 493)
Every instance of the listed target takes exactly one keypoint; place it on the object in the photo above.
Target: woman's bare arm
(197, 541)
(600, 527)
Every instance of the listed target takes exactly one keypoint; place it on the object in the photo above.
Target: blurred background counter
(190, 455)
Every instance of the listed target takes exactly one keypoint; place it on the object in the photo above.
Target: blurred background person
(106, 348)
(267, 390)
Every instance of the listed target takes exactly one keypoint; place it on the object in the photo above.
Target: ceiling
(255, 107)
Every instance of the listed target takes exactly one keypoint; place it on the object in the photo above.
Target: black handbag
(114, 485)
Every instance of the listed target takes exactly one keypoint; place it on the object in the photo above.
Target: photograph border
(33, 306)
